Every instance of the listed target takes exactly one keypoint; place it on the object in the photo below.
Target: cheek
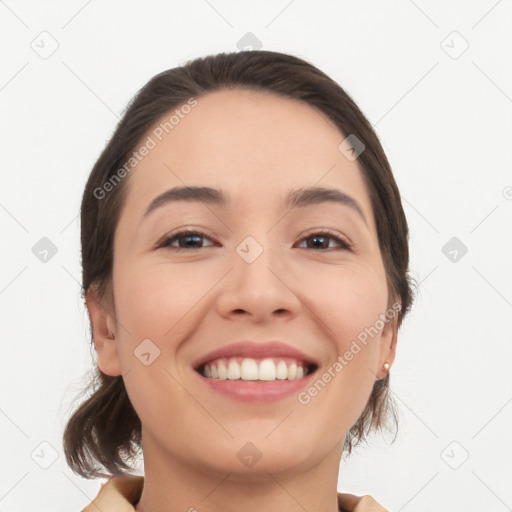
(152, 305)
(154, 301)
(164, 302)
(159, 307)
(351, 307)
(350, 302)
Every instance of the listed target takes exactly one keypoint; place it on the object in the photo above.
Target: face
(256, 268)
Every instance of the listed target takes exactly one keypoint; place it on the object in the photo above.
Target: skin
(256, 147)
(118, 493)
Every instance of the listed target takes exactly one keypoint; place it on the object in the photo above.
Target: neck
(177, 485)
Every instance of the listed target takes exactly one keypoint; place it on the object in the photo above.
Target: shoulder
(117, 494)
(352, 503)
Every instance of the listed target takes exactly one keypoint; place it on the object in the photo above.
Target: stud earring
(386, 366)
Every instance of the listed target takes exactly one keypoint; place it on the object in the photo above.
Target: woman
(245, 270)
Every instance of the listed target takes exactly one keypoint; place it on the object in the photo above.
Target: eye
(321, 239)
(188, 237)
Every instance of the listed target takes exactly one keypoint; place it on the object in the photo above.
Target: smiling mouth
(269, 369)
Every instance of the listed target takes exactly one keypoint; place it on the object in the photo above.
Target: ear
(387, 347)
(103, 333)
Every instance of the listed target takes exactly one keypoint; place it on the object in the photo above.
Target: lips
(256, 350)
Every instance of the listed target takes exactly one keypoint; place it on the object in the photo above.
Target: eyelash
(166, 242)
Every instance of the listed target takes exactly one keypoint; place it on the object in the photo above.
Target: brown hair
(105, 428)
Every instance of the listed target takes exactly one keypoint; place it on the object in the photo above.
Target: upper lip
(254, 349)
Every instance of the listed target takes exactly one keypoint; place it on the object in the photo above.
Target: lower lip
(257, 391)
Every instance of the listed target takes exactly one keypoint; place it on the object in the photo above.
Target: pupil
(321, 237)
(189, 237)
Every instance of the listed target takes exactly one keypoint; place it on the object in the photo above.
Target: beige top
(120, 494)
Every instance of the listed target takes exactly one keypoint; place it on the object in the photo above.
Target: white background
(445, 125)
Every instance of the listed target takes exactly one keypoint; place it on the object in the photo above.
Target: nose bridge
(255, 257)
(257, 236)
(258, 282)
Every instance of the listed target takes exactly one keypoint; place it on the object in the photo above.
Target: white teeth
(282, 370)
(292, 371)
(267, 370)
(248, 369)
(223, 371)
(234, 371)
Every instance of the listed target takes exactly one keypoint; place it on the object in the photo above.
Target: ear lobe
(388, 347)
(103, 334)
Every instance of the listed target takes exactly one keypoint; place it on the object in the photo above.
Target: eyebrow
(296, 198)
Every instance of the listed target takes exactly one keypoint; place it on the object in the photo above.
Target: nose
(259, 284)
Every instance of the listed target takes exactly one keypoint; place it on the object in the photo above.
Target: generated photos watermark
(151, 142)
(367, 334)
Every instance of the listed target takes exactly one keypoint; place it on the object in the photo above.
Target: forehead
(255, 145)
